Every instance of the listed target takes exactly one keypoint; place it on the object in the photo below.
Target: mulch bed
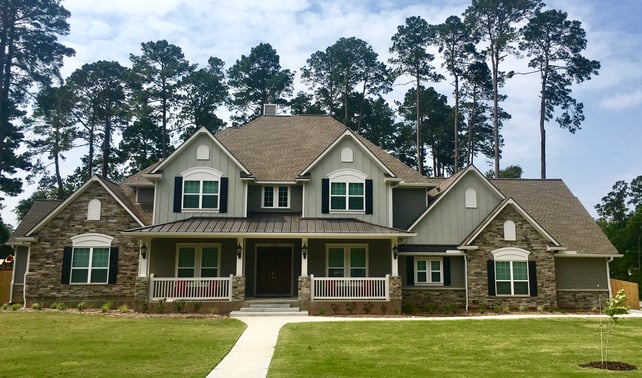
(609, 365)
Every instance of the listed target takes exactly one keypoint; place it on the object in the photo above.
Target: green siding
(255, 200)
(187, 159)
(449, 221)
(581, 273)
(162, 256)
(379, 260)
(457, 272)
(362, 162)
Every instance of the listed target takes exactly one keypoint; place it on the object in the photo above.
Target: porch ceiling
(270, 226)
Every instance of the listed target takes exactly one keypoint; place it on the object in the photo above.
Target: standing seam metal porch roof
(278, 224)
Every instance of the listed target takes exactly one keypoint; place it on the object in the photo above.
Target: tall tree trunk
(164, 137)
(542, 129)
(363, 100)
(90, 163)
(6, 58)
(106, 147)
(61, 189)
(456, 127)
(420, 163)
(494, 56)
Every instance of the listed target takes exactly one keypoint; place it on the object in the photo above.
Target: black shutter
(369, 199)
(325, 196)
(491, 278)
(113, 265)
(66, 266)
(446, 270)
(222, 207)
(410, 270)
(178, 193)
(532, 278)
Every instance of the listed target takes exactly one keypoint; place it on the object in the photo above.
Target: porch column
(240, 256)
(304, 257)
(144, 252)
(394, 258)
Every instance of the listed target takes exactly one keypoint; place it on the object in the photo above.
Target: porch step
(268, 309)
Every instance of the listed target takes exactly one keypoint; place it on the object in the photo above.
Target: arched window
(347, 190)
(201, 188)
(90, 259)
(509, 231)
(93, 210)
(512, 272)
(471, 198)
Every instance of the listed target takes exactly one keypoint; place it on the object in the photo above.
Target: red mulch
(609, 365)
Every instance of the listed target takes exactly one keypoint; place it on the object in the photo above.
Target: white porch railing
(191, 289)
(368, 288)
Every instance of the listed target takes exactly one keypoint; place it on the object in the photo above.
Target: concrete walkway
(250, 357)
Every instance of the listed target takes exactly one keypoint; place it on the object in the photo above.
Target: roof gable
(110, 187)
(36, 213)
(188, 142)
(445, 187)
(509, 202)
(347, 134)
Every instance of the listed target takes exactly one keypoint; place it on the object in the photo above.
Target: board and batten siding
(362, 162)
(219, 160)
(450, 221)
(407, 204)
(162, 255)
(457, 271)
(574, 273)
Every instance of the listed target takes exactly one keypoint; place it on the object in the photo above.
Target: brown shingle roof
(270, 224)
(555, 208)
(135, 208)
(279, 148)
(38, 211)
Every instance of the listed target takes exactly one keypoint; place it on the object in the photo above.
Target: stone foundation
(581, 299)
(238, 289)
(421, 298)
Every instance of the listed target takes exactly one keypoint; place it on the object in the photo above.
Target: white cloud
(622, 101)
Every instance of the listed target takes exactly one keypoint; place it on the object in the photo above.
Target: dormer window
(277, 197)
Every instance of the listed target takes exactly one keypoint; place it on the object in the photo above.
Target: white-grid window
(276, 197)
(201, 189)
(429, 271)
(511, 277)
(90, 265)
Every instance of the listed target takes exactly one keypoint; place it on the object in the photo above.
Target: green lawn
(39, 344)
(462, 348)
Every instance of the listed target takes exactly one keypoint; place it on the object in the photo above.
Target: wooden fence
(631, 291)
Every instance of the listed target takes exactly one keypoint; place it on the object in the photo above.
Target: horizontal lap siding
(581, 273)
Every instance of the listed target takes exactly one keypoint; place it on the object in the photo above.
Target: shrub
(161, 305)
(123, 309)
(482, 309)
(61, 306)
(541, 308)
(523, 308)
(144, 306)
(367, 308)
(322, 311)
(53, 306)
(497, 309)
(350, 307)
(81, 306)
(335, 308)
(106, 306)
(407, 309)
(36, 306)
(5, 306)
(16, 306)
(214, 311)
(196, 306)
(431, 309)
(178, 306)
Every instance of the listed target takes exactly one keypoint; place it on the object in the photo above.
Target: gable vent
(269, 109)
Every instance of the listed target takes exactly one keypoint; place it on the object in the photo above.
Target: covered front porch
(351, 263)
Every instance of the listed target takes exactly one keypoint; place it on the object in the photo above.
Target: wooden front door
(273, 271)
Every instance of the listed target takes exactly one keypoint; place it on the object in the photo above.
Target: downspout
(466, 278)
(24, 279)
(608, 275)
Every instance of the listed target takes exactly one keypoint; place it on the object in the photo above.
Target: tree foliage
(30, 54)
(256, 80)
(555, 44)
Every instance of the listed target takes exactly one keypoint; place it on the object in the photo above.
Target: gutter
(608, 275)
(466, 278)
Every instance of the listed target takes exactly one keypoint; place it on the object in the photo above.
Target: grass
(465, 348)
(56, 344)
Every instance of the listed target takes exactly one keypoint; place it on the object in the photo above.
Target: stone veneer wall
(43, 281)
(529, 239)
(585, 299)
(421, 297)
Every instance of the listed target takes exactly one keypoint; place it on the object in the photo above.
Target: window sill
(513, 296)
(88, 283)
(347, 211)
(199, 210)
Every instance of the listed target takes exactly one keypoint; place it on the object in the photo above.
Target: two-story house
(302, 209)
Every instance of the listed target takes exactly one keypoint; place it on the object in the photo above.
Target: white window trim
(198, 257)
(347, 176)
(429, 271)
(511, 254)
(201, 174)
(90, 241)
(275, 197)
(346, 258)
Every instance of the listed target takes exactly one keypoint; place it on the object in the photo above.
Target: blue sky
(607, 149)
